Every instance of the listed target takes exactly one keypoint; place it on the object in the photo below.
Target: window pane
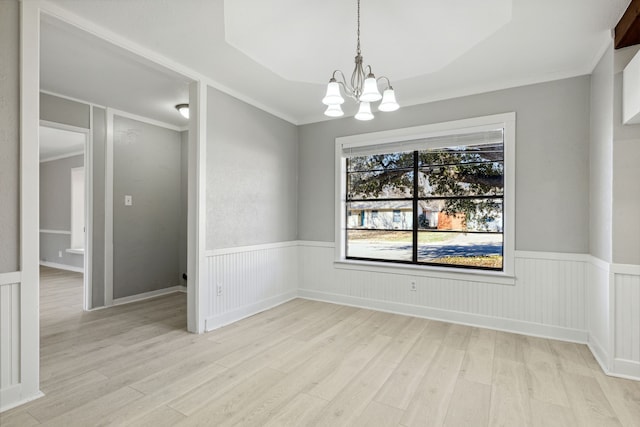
(377, 244)
(454, 155)
(400, 160)
(394, 215)
(461, 214)
(465, 179)
(383, 184)
(461, 249)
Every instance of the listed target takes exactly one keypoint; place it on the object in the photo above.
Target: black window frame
(415, 229)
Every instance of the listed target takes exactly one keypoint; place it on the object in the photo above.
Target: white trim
(75, 251)
(506, 120)
(554, 256)
(10, 278)
(70, 98)
(62, 156)
(47, 231)
(87, 154)
(148, 295)
(629, 369)
(146, 120)
(599, 263)
(316, 244)
(108, 209)
(29, 203)
(629, 269)
(197, 273)
(62, 266)
(88, 217)
(599, 353)
(424, 131)
(150, 55)
(13, 395)
(251, 248)
(215, 322)
(457, 317)
(482, 276)
(64, 126)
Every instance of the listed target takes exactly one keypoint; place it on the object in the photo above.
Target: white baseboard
(599, 353)
(475, 320)
(62, 266)
(629, 369)
(147, 295)
(10, 397)
(215, 322)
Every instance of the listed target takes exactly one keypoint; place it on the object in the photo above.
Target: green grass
(493, 261)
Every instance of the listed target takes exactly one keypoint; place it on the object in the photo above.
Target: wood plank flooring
(305, 363)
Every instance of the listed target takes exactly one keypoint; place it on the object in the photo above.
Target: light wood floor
(305, 363)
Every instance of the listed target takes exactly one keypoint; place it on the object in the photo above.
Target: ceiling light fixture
(183, 109)
(363, 89)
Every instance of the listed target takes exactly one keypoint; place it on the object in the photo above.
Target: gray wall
(9, 136)
(552, 160)
(55, 210)
(251, 175)
(626, 174)
(145, 235)
(97, 263)
(601, 158)
(60, 110)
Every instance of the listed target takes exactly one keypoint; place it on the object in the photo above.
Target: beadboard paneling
(251, 279)
(548, 298)
(597, 305)
(9, 342)
(627, 324)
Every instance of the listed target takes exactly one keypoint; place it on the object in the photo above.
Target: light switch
(128, 200)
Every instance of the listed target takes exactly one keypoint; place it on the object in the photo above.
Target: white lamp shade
(370, 92)
(388, 101)
(334, 111)
(333, 96)
(364, 112)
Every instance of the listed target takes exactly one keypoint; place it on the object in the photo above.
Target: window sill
(75, 251)
(482, 276)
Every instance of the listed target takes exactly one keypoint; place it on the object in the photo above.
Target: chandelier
(363, 89)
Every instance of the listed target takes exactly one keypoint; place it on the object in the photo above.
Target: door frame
(197, 284)
(88, 201)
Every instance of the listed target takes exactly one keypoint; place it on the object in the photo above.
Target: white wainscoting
(10, 388)
(548, 298)
(244, 281)
(599, 311)
(626, 318)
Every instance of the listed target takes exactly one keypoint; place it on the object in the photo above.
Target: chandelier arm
(387, 79)
(368, 70)
(339, 77)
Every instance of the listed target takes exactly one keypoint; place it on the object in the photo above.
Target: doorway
(65, 220)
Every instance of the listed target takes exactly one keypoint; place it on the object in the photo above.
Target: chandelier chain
(358, 47)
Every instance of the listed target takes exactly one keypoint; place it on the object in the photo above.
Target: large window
(436, 195)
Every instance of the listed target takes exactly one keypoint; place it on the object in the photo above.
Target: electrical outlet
(59, 254)
(219, 290)
(413, 286)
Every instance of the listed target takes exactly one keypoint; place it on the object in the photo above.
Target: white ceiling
(279, 54)
(57, 142)
(79, 65)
